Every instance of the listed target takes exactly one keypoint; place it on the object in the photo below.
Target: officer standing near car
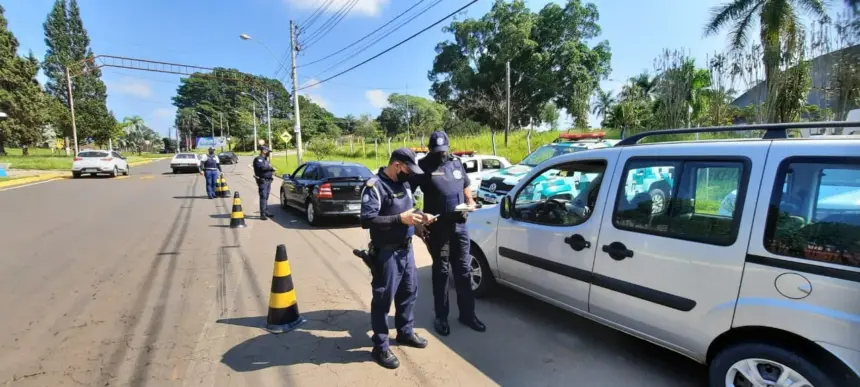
(388, 211)
(263, 174)
(445, 186)
(211, 169)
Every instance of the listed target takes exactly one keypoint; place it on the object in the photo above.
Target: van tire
(487, 286)
(721, 365)
(658, 193)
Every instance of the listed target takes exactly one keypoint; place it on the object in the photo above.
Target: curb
(143, 162)
(30, 180)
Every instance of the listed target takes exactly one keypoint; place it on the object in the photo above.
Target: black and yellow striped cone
(225, 189)
(283, 308)
(219, 186)
(237, 217)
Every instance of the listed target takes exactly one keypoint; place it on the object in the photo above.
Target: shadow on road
(295, 219)
(339, 336)
(192, 197)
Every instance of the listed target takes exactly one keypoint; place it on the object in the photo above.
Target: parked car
(185, 162)
(96, 162)
(228, 158)
(479, 167)
(325, 188)
(753, 268)
(497, 184)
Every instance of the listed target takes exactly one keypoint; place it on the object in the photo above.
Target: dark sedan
(228, 158)
(325, 188)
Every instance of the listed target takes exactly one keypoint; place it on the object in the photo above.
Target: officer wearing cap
(211, 168)
(263, 174)
(445, 186)
(388, 211)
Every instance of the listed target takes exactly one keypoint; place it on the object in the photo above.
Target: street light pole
(269, 118)
(254, 114)
(296, 117)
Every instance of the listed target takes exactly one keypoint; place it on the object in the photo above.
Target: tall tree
(549, 114)
(20, 96)
(411, 115)
(603, 103)
(68, 44)
(778, 22)
(549, 56)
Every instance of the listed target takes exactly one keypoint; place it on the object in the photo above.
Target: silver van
(752, 266)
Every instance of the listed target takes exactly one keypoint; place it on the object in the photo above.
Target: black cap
(438, 142)
(264, 148)
(406, 156)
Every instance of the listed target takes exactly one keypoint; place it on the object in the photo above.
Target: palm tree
(603, 103)
(778, 21)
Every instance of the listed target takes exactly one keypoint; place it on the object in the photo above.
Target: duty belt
(211, 169)
(396, 246)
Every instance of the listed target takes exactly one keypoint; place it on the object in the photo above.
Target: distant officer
(445, 186)
(387, 209)
(211, 169)
(263, 174)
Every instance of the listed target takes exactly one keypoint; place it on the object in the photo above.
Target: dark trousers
(263, 187)
(394, 279)
(449, 248)
(211, 178)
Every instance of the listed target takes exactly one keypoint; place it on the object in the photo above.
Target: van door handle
(617, 251)
(577, 242)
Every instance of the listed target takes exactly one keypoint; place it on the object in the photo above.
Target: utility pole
(269, 119)
(254, 114)
(72, 109)
(221, 124)
(294, 46)
(508, 103)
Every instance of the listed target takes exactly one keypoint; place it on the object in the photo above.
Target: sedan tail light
(79, 159)
(107, 159)
(324, 191)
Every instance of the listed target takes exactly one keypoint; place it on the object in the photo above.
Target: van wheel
(763, 365)
(658, 200)
(483, 282)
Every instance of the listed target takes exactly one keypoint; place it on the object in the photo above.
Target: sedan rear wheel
(313, 219)
(283, 200)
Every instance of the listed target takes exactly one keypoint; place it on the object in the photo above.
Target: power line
(365, 36)
(310, 20)
(392, 47)
(373, 43)
(329, 25)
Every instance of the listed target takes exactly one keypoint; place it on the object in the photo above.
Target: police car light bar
(463, 153)
(581, 136)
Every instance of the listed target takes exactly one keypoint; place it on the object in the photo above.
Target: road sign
(286, 137)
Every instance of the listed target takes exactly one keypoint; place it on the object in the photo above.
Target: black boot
(412, 340)
(442, 327)
(385, 358)
(473, 323)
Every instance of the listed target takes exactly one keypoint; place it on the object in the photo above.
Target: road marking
(147, 177)
(31, 184)
(120, 177)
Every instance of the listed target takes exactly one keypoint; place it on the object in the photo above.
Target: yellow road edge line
(28, 180)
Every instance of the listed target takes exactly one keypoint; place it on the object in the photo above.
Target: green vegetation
(42, 159)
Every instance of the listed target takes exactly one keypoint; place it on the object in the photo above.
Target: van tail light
(79, 159)
(107, 159)
(324, 191)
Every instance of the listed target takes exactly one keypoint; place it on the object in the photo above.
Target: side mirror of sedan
(286, 176)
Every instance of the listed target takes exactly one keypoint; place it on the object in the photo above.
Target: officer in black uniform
(388, 210)
(445, 186)
(211, 169)
(263, 174)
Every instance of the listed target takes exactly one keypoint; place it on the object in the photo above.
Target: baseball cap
(264, 148)
(407, 157)
(438, 142)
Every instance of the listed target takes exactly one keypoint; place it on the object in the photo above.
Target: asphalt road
(138, 281)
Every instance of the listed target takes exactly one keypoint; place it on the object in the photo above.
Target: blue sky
(206, 33)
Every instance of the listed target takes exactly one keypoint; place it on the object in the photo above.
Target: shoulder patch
(370, 182)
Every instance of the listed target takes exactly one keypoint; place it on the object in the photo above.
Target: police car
(479, 167)
(496, 185)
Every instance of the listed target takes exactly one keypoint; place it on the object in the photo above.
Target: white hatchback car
(94, 162)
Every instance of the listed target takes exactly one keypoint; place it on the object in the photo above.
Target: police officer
(445, 186)
(263, 174)
(387, 209)
(211, 168)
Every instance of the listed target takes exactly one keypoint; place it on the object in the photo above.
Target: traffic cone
(225, 190)
(283, 308)
(219, 187)
(237, 217)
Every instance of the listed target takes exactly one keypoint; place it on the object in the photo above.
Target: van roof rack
(772, 131)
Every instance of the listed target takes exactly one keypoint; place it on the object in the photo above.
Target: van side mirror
(286, 176)
(505, 207)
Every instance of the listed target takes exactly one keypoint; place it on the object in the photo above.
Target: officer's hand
(421, 231)
(409, 217)
(428, 219)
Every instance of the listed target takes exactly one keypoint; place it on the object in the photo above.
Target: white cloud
(362, 7)
(164, 113)
(318, 99)
(312, 82)
(377, 98)
(132, 86)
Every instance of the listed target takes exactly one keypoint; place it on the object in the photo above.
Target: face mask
(402, 176)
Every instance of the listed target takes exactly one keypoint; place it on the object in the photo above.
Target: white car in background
(479, 167)
(185, 162)
(94, 162)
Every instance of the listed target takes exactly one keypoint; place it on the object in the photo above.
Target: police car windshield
(547, 152)
(347, 171)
